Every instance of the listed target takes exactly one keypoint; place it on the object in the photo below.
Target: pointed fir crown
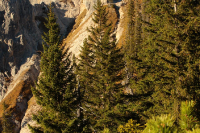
(52, 35)
(100, 15)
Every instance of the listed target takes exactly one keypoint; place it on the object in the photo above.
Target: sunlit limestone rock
(21, 27)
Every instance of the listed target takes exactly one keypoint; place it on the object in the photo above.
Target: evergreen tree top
(100, 15)
(55, 89)
(51, 37)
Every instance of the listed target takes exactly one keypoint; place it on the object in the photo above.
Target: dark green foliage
(52, 36)
(130, 43)
(6, 120)
(55, 90)
(161, 63)
(168, 71)
(133, 36)
(161, 124)
(133, 40)
(130, 127)
(166, 123)
(138, 101)
(100, 71)
(188, 121)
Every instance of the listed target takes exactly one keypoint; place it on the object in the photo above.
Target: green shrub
(187, 119)
(161, 124)
(130, 127)
(106, 130)
(197, 130)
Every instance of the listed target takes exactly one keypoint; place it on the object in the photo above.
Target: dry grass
(112, 17)
(31, 102)
(11, 98)
(123, 22)
(122, 39)
(79, 19)
(22, 90)
(75, 30)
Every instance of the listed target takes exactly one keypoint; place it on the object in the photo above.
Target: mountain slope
(21, 24)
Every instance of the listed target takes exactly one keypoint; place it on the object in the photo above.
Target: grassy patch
(122, 39)
(21, 91)
(76, 28)
(112, 17)
(32, 102)
(123, 22)
(79, 19)
(11, 98)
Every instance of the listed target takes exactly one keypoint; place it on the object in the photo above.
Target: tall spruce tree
(100, 71)
(55, 90)
(169, 56)
(129, 50)
(137, 99)
(133, 35)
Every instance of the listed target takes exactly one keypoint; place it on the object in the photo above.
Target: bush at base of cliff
(161, 124)
(130, 127)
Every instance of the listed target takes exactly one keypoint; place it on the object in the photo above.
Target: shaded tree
(100, 71)
(55, 90)
(168, 70)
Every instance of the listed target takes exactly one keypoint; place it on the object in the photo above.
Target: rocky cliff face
(21, 27)
(75, 39)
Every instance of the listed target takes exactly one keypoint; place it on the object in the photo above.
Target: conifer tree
(169, 56)
(133, 38)
(100, 66)
(129, 46)
(138, 100)
(55, 90)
